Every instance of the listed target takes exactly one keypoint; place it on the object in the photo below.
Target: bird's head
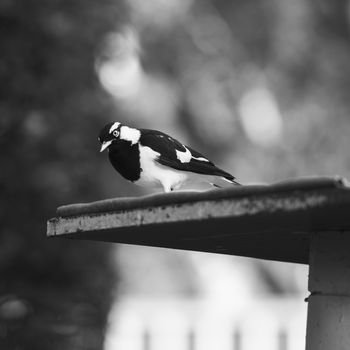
(114, 132)
(109, 133)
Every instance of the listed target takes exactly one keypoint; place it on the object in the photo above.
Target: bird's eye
(116, 133)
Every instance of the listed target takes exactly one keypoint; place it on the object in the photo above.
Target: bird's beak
(105, 145)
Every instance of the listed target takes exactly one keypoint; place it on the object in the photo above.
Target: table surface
(271, 222)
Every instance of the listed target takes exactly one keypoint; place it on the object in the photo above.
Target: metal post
(328, 325)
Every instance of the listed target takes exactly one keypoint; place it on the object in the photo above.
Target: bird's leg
(167, 188)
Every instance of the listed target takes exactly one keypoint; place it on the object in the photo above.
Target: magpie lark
(154, 159)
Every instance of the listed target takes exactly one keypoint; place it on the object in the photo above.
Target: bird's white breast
(155, 174)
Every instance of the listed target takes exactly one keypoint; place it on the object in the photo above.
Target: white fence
(172, 324)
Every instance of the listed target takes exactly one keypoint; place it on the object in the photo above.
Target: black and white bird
(154, 159)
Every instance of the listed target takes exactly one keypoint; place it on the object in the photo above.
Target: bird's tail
(222, 181)
(232, 181)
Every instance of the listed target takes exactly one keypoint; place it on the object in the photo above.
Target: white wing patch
(201, 159)
(185, 157)
(113, 127)
(130, 134)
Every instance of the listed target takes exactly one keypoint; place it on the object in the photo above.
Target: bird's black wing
(167, 146)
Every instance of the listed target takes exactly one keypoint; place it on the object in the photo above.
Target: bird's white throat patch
(130, 134)
(114, 126)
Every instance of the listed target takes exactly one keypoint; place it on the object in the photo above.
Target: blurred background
(260, 87)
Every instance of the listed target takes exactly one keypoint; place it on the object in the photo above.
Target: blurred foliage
(54, 294)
